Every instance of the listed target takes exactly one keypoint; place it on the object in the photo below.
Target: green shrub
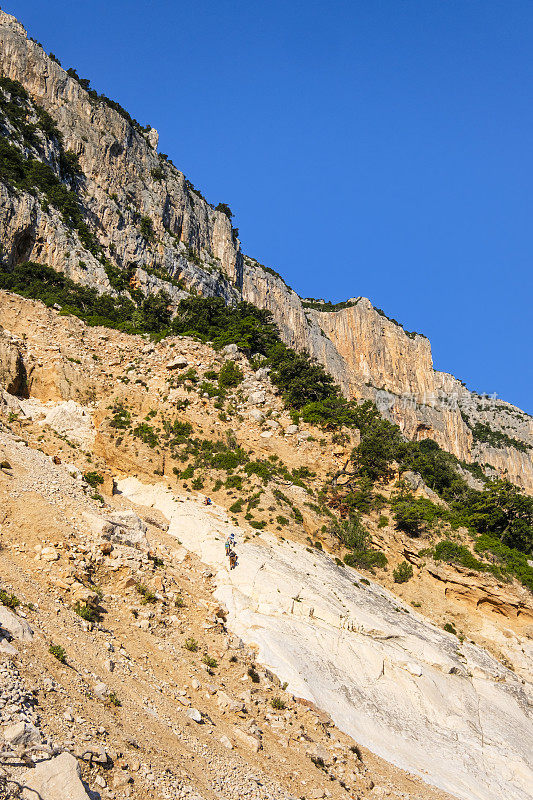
(253, 674)
(9, 600)
(403, 572)
(210, 662)
(86, 612)
(94, 479)
(121, 417)
(449, 628)
(508, 559)
(113, 699)
(147, 594)
(208, 388)
(146, 434)
(455, 553)
(147, 229)
(234, 482)
(278, 704)
(191, 645)
(225, 209)
(236, 507)
(415, 515)
(230, 375)
(58, 652)
(366, 559)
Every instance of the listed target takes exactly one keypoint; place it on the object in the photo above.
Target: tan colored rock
(248, 740)
(56, 779)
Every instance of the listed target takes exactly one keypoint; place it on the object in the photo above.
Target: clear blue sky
(379, 148)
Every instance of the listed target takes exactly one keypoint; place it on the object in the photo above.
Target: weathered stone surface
(227, 703)
(22, 733)
(56, 779)
(180, 362)
(248, 740)
(411, 692)
(17, 627)
(13, 377)
(120, 527)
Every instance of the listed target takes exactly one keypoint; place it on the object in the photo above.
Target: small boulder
(180, 362)
(257, 398)
(194, 714)
(22, 733)
(14, 625)
(56, 779)
(249, 740)
(227, 703)
(226, 742)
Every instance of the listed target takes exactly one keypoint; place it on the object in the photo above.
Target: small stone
(194, 714)
(100, 690)
(224, 740)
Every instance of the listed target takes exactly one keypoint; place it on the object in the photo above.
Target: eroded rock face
(13, 376)
(119, 163)
(124, 180)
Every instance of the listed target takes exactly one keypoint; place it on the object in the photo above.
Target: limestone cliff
(155, 229)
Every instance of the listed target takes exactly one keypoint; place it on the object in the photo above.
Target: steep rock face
(193, 247)
(124, 180)
(372, 357)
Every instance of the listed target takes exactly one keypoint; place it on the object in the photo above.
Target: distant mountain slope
(142, 226)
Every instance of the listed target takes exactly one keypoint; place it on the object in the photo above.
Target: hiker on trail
(228, 547)
(232, 559)
(207, 501)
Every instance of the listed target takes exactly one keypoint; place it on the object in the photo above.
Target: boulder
(226, 742)
(14, 625)
(231, 350)
(120, 527)
(180, 362)
(257, 398)
(194, 714)
(56, 779)
(81, 594)
(22, 733)
(227, 703)
(249, 740)
(319, 752)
